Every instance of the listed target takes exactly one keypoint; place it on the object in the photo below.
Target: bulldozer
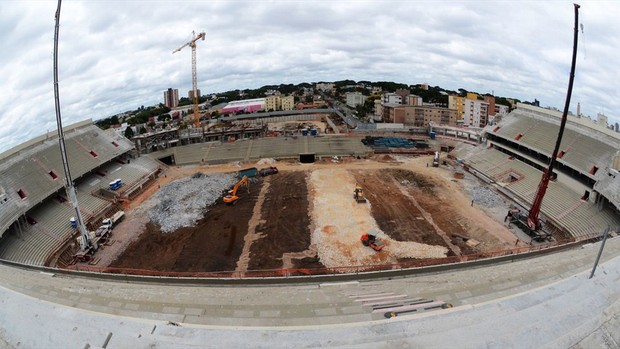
(358, 194)
(372, 242)
(231, 198)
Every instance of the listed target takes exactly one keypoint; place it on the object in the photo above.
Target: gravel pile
(183, 202)
(485, 197)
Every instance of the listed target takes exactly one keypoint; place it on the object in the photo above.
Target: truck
(114, 220)
(268, 171)
(436, 159)
(247, 172)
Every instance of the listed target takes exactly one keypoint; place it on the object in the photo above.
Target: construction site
(305, 217)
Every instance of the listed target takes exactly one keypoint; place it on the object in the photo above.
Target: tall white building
(355, 98)
(391, 98)
(475, 113)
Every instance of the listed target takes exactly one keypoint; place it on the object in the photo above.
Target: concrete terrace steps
(582, 150)
(560, 203)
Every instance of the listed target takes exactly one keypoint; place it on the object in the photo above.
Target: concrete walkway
(541, 302)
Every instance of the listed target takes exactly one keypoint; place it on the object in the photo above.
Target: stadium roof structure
(32, 171)
(246, 105)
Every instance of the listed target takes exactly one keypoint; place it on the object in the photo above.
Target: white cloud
(116, 56)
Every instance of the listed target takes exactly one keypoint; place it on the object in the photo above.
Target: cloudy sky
(117, 55)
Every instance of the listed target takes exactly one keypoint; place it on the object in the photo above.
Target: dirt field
(305, 217)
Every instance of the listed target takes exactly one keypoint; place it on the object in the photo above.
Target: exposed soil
(287, 229)
(214, 244)
(275, 225)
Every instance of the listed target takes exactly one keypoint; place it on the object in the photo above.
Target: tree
(129, 132)
(142, 130)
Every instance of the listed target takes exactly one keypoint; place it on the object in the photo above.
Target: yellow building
(288, 103)
(457, 103)
(273, 103)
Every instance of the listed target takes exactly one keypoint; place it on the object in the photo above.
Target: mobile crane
(531, 222)
(231, 198)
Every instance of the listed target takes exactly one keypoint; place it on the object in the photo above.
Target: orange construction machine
(232, 197)
(372, 241)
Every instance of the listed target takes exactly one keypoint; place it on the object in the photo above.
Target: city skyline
(116, 58)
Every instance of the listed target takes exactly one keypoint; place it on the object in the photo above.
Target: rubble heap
(187, 199)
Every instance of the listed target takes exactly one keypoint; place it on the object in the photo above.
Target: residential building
(324, 86)
(355, 98)
(475, 113)
(414, 100)
(391, 98)
(501, 110)
(418, 115)
(190, 94)
(457, 103)
(378, 110)
(171, 98)
(273, 103)
(403, 93)
(491, 101)
(288, 103)
(376, 90)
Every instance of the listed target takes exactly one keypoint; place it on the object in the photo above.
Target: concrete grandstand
(583, 198)
(536, 292)
(34, 209)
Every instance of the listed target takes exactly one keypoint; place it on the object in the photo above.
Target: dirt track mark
(253, 235)
(429, 218)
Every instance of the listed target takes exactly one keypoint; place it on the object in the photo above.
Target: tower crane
(192, 44)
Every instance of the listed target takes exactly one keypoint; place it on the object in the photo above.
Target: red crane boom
(533, 220)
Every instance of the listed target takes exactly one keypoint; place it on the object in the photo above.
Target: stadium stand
(34, 209)
(520, 146)
(276, 148)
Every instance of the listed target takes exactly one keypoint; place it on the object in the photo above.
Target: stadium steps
(561, 203)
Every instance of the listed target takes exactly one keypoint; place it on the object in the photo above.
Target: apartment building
(288, 103)
(470, 110)
(190, 94)
(171, 98)
(273, 103)
(419, 115)
(355, 98)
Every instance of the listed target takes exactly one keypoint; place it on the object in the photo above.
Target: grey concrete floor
(546, 301)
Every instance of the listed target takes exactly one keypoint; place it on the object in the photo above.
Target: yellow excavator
(358, 194)
(232, 197)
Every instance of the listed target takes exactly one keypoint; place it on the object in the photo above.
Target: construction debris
(187, 199)
(485, 197)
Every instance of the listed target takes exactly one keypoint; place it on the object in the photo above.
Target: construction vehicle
(247, 172)
(436, 159)
(531, 223)
(268, 171)
(358, 194)
(519, 218)
(192, 44)
(231, 198)
(372, 242)
(111, 222)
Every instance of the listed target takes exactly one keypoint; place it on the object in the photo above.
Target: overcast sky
(117, 55)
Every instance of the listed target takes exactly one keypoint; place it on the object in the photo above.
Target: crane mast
(192, 44)
(533, 220)
(85, 242)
